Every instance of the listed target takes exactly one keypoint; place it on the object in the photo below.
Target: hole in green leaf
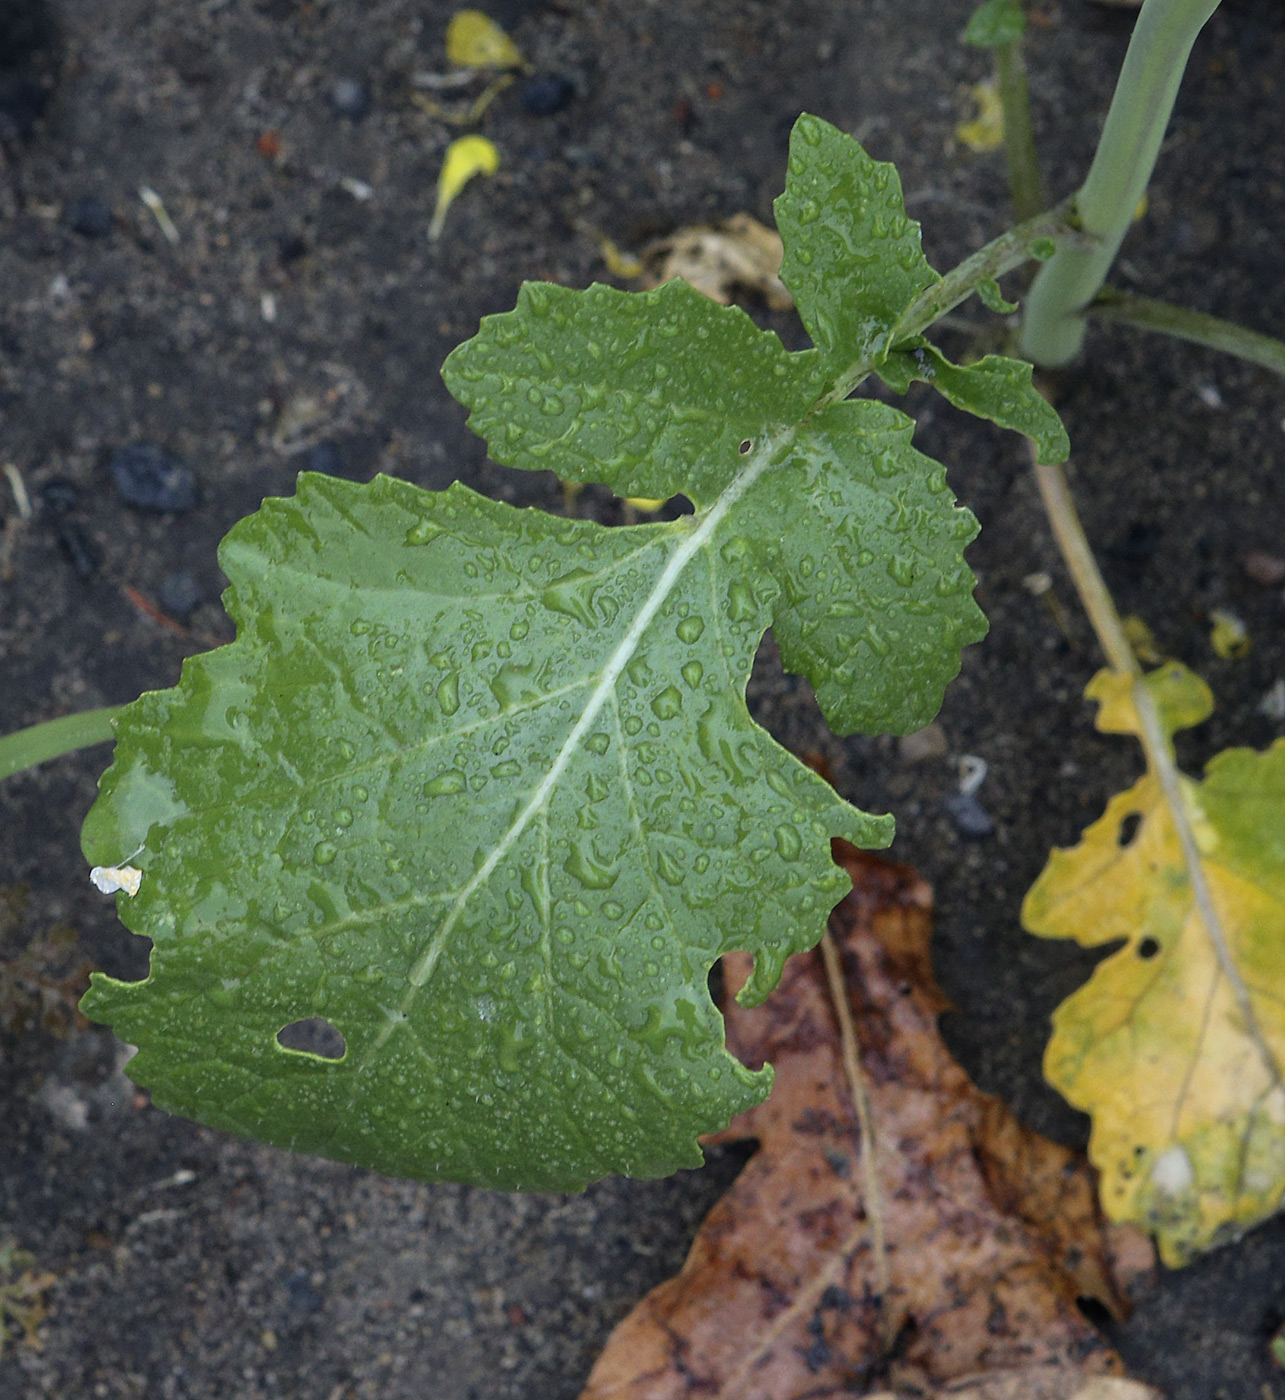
(746, 445)
(313, 1035)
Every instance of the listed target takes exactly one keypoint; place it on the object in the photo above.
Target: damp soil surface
(297, 319)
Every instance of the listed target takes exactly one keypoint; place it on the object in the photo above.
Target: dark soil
(192, 1265)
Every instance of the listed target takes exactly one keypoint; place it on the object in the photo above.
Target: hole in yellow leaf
(313, 1035)
(1148, 948)
(1128, 829)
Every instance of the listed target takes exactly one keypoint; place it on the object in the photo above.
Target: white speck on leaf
(110, 878)
(1172, 1173)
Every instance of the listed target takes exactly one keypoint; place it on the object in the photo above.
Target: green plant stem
(1195, 326)
(1024, 184)
(1001, 255)
(1053, 329)
(40, 742)
(1098, 603)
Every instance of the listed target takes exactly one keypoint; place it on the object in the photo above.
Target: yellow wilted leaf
(466, 157)
(1175, 1045)
(986, 131)
(1143, 640)
(474, 40)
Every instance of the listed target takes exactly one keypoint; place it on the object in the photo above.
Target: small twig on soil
(19, 487)
(1098, 603)
(151, 610)
(851, 1050)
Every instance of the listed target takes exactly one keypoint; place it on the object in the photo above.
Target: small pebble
(179, 595)
(970, 817)
(59, 496)
(82, 553)
(149, 479)
(22, 102)
(546, 93)
(350, 98)
(90, 217)
(929, 742)
(1264, 568)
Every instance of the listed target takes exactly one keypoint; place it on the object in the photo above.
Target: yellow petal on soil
(474, 40)
(1229, 636)
(986, 131)
(466, 157)
(1177, 1055)
(618, 264)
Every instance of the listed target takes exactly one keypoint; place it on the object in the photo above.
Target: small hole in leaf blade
(313, 1035)
(746, 445)
(1128, 829)
(1148, 948)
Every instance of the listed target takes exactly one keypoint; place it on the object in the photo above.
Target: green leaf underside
(479, 786)
(996, 388)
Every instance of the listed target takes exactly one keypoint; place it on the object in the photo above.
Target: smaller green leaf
(995, 23)
(867, 544)
(853, 260)
(1042, 249)
(996, 388)
(647, 393)
(989, 294)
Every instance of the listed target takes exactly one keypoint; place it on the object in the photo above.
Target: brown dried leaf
(992, 1232)
(740, 254)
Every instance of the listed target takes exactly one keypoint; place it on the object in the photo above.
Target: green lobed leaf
(996, 388)
(479, 786)
(868, 550)
(447, 791)
(650, 393)
(853, 260)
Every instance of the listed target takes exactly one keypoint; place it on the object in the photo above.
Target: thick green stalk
(40, 742)
(1144, 96)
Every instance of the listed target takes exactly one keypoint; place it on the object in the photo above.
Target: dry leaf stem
(851, 1051)
(1100, 606)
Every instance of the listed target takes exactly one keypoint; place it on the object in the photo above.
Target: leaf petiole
(40, 742)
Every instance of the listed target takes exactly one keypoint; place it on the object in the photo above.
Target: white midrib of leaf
(761, 458)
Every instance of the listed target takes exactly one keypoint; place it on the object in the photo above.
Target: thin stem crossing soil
(851, 1050)
(1025, 187)
(41, 742)
(1177, 321)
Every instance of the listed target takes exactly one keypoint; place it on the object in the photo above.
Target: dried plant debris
(739, 255)
(41, 981)
(990, 1232)
(22, 1295)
